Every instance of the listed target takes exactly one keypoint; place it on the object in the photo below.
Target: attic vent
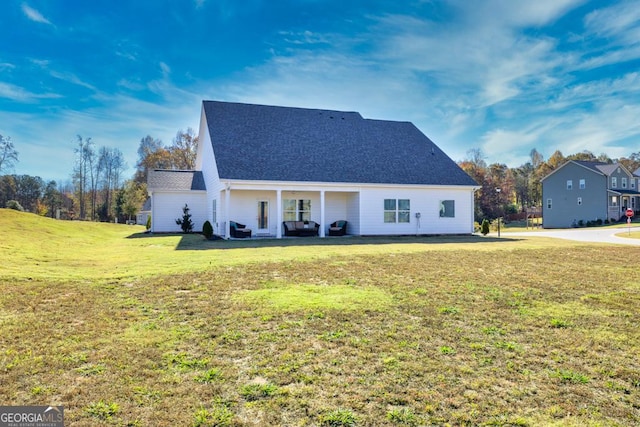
(433, 152)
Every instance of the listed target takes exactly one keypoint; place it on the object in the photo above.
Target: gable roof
(270, 143)
(601, 168)
(178, 180)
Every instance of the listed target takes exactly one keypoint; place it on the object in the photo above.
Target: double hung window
(296, 210)
(397, 210)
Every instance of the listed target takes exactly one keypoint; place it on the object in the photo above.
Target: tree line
(97, 190)
(507, 190)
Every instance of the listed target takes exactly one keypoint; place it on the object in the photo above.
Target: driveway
(599, 235)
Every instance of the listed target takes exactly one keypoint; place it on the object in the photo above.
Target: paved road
(600, 235)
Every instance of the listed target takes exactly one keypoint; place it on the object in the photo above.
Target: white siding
(212, 182)
(167, 207)
(423, 200)
(244, 209)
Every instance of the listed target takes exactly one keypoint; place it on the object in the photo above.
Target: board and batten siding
(166, 207)
(426, 201)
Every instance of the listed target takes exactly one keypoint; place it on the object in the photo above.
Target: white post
(227, 202)
(278, 214)
(321, 213)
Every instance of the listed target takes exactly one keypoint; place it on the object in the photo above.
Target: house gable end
(266, 143)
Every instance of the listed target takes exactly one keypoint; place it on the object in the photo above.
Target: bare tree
(84, 152)
(8, 154)
(110, 164)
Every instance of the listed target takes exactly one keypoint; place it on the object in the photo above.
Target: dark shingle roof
(589, 164)
(258, 142)
(175, 180)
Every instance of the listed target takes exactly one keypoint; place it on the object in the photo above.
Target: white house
(262, 165)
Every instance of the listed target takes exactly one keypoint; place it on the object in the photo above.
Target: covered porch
(619, 202)
(265, 210)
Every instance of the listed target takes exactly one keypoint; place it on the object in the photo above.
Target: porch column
(321, 213)
(278, 214)
(227, 202)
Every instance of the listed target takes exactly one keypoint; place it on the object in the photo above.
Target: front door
(263, 217)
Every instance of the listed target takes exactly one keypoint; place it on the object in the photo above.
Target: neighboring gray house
(262, 165)
(588, 191)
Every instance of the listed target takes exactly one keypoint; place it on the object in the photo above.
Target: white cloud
(34, 15)
(71, 78)
(19, 94)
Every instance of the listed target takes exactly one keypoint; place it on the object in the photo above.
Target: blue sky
(505, 76)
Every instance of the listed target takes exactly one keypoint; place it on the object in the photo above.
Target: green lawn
(129, 329)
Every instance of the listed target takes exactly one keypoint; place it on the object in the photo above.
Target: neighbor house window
(614, 200)
(296, 210)
(583, 184)
(569, 184)
(633, 183)
(397, 210)
(624, 182)
(579, 201)
(447, 208)
(548, 203)
(614, 182)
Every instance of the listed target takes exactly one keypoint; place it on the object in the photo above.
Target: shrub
(15, 205)
(185, 222)
(148, 224)
(207, 230)
(484, 228)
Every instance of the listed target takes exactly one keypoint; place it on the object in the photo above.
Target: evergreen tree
(185, 222)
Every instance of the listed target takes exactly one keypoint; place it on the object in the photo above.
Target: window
(397, 210)
(447, 208)
(582, 184)
(633, 183)
(548, 203)
(614, 201)
(569, 184)
(296, 210)
(624, 182)
(579, 201)
(215, 212)
(614, 182)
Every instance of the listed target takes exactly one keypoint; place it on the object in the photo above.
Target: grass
(316, 332)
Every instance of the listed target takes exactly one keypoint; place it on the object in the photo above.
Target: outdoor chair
(338, 228)
(238, 230)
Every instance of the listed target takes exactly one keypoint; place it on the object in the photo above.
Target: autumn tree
(151, 155)
(180, 155)
(184, 149)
